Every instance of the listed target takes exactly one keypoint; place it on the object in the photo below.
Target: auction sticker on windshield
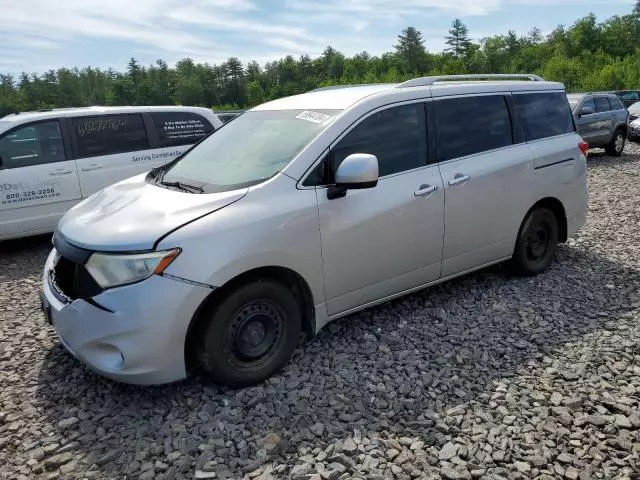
(314, 117)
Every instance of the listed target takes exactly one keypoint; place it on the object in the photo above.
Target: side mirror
(586, 111)
(357, 171)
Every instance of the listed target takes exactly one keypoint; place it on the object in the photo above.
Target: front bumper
(133, 334)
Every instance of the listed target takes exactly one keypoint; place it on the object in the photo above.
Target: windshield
(248, 150)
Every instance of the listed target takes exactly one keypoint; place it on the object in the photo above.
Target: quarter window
(471, 125)
(36, 144)
(546, 114)
(109, 134)
(602, 105)
(180, 128)
(397, 136)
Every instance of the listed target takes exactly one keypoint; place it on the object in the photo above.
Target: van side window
(109, 134)
(545, 114)
(602, 105)
(180, 128)
(470, 125)
(396, 135)
(35, 144)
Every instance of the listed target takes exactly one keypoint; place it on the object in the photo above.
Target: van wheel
(251, 334)
(537, 242)
(615, 148)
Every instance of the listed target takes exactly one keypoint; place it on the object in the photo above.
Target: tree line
(588, 55)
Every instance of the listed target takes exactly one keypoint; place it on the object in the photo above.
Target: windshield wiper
(183, 186)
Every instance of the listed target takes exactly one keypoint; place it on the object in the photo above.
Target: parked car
(633, 134)
(50, 160)
(628, 97)
(306, 209)
(601, 120)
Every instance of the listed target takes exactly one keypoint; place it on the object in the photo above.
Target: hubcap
(538, 241)
(619, 143)
(257, 327)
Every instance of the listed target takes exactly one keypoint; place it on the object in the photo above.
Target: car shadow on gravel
(12, 252)
(388, 368)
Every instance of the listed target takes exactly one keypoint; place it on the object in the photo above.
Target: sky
(37, 35)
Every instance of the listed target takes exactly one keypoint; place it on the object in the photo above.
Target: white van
(50, 160)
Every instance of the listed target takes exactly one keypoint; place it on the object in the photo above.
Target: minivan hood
(133, 214)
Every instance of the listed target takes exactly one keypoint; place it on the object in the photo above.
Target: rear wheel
(615, 148)
(537, 242)
(251, 334)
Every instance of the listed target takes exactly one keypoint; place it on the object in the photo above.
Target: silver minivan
(306, 209)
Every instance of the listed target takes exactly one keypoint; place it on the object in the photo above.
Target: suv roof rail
(333, 87)
(427, 81)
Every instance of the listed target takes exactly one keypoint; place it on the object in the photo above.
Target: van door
(486, 178)
(38, 179)
(388, 239)
(110, 148)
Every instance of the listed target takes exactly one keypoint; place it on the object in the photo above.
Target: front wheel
(615, 148)
(250, 334)
(537, 242)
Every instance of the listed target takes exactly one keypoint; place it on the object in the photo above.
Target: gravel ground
(488, 376)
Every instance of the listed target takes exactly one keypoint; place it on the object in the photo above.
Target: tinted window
(589, 103)
(630, 96)
(180, 128)
(545, 114)
(35, 144)
(615, 103)
(472, 125)
(108, 134)
(602, 104)
(397, 136)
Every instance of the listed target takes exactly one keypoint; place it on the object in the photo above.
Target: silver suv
(306, 209)
(601, 119)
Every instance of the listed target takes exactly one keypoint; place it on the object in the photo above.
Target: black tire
(537, 243)
(251, 334)
(616, 146)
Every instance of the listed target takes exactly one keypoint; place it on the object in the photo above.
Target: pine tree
(535, 35)
(411, 49)
(636, 9)
(458, 38)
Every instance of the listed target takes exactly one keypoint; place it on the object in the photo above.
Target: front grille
(73, 280)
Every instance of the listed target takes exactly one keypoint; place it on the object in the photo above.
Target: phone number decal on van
(29, 196)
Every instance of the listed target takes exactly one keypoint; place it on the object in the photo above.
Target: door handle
(60, 172)
(425, 190)
(93, 166)
(459, 179)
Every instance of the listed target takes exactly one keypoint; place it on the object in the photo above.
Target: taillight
(584, 148)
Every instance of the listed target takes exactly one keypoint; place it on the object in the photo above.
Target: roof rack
(427, 81)
(332, 87)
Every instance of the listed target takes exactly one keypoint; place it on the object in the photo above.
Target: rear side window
(545, 114)
(109, 134)
(470, 125)
(180, 128)
(35, 144)
(397, 136)
(602, 104)
(615, 103)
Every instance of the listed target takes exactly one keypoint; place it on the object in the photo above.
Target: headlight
(111, 270)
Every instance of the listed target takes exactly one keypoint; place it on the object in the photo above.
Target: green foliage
(585, 56)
